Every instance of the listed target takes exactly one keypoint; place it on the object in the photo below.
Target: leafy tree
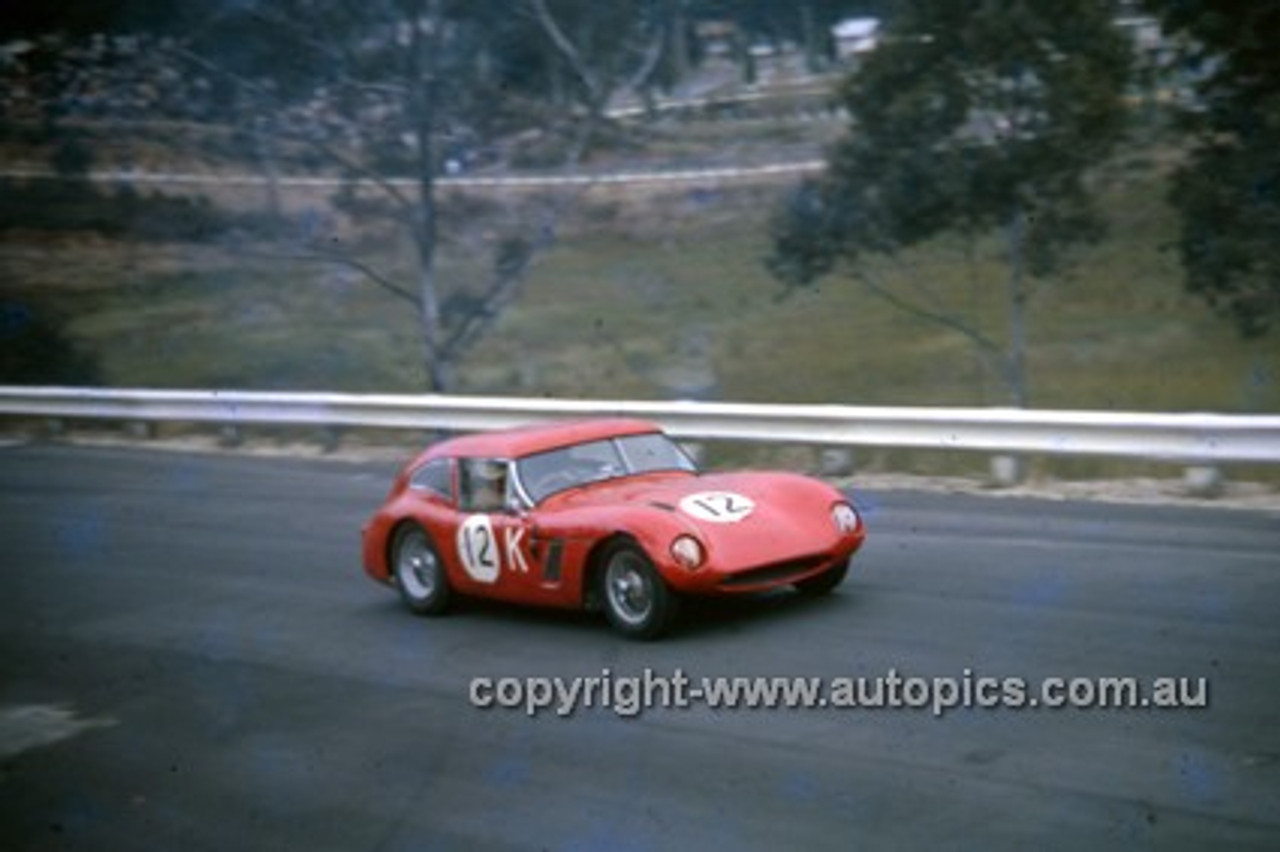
(372, 88)
(87, 17)
(387, 93)
(1228, 191)
(388, 88)
(35, 350)
(973, 118)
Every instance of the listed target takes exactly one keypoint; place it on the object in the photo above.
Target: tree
(36, 350)
(363, 86)
(455, 83)
(970, 118)
(389, 94)
(388, 88)
(1228, 191)
(605, 47)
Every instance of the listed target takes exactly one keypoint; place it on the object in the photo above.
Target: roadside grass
(1117, 332)
(665, 296)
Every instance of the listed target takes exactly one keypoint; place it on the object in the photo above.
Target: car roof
(538, 438)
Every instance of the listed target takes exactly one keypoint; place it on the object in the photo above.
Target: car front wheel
(637, 601)
(419, 572)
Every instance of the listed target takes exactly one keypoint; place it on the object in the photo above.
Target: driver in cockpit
(486, 484)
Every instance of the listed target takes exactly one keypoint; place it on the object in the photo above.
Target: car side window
(435, 477)
(654, 452)
(482, 485)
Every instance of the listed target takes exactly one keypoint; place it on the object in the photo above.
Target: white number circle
(717, 507)
(478, 549)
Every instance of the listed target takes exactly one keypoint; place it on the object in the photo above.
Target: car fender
(593, 528)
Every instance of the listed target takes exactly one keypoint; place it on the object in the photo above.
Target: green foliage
(1228, 192)
(34, 350)
(1229, 200)
(72, 156)
(970, 116)
(77, 207)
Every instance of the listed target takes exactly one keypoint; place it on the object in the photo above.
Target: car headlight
(687, 552)
(845, 517)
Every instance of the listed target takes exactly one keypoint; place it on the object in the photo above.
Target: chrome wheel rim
(417, 566)
(629, 588)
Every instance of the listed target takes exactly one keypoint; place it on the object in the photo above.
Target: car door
(494, 543)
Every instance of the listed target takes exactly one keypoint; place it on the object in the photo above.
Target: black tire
(418, 571)
(636, 600)
(824, 582)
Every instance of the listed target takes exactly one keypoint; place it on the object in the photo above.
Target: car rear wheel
(419, 573)
(637, 601)
(824, 582)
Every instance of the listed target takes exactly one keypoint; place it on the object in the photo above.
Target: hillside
(643, 294)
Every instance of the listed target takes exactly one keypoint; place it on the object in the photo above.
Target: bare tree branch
(369, 272)
(350, 164)
(323, 120)
(357, 169)
(568, 50)
(649, 62)
(339, 59)
(991, 351)
(510, 273)
(338, 259)
(598, 88)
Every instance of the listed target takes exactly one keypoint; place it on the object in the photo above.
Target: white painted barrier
(1203, 439)
(522, 181)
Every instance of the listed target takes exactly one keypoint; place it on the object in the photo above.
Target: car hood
(744, 518)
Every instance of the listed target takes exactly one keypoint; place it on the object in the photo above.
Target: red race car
(600, 514)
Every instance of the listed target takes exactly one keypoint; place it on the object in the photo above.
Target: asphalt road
(190, 658)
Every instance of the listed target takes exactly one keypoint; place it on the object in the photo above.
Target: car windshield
(551, 472)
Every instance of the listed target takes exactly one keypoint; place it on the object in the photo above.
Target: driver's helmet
(487, 482)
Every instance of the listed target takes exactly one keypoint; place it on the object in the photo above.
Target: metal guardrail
(1199, 439)
(771, 171)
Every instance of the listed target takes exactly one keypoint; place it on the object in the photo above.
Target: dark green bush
(71, 206)
(35, 350)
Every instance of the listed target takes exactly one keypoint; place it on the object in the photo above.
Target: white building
(855, 36)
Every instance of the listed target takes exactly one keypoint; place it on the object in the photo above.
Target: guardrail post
(835, 461)
(141, 430)
(330, 439)
(1008, 471)
(230, 436)
(55, 427)
(1204, 480)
